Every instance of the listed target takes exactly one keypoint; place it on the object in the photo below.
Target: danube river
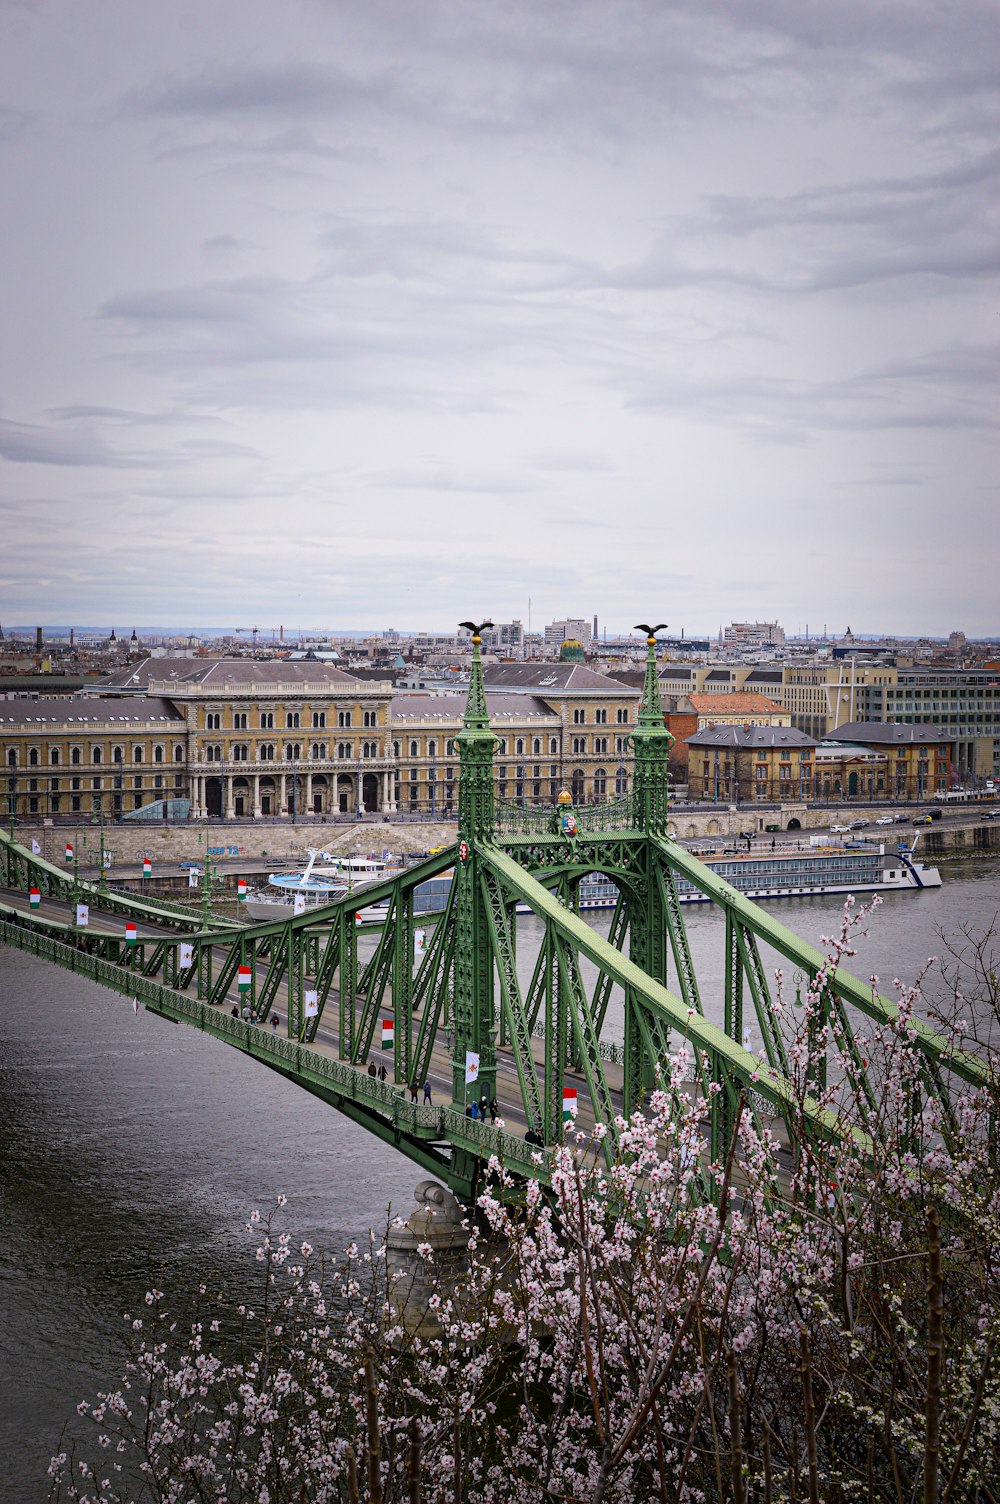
(133, 1150)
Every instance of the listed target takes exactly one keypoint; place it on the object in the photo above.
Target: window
(536, 746)
(519, 746)
(579, 717)
(621, 744)
(33, 758)
(95, 755)
(432, 748)
(12, 758)
(213, 721)
(343, 717)
(319, 718)
(178, 752)
(267, 720)
(95, 803)
(343, 750)
(371, 718)
(579, 745)
(291, 720)
(621, 781)
(74, 803)
(137, 801)
(601, 717)
(293, 752)
(74, 783)
(266, 753)
(600, 783)
(137, 781)
(241, 752)
(623, 717)
(158, 781)
(370, 749)
(414, 749)
(319, 751)
(600, 744)
(395, 749)
(449, 749)
(95, 783)
(576, 785)
(137, 754)
(553, 746)
(157, 754)
(53, 757)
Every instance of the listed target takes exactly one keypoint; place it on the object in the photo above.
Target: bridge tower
(473, 1014)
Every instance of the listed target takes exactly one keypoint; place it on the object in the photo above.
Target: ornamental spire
(651, 742)
(475, 751)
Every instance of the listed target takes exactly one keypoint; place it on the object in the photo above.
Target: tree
(811, 1318)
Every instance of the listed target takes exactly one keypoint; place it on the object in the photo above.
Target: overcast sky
(393, 312)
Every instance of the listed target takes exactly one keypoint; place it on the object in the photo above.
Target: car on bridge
(886, 820)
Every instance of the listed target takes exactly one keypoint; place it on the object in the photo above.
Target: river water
(134, 1149)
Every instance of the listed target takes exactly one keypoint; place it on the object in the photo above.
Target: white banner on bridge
(193, 879)
(82, 914)
(185, 955)
(471, 1066)
(419, 940)
(36, 850)
(299, 903)
(312, 1004)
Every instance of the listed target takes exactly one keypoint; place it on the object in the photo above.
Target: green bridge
(457, 1002)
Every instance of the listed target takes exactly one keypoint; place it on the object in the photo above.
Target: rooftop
(551, 678)
(58, 710)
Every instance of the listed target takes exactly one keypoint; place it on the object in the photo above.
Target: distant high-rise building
(743, 636)
(557, 632)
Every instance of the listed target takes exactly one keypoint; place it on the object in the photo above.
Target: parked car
(886, 820)
(857, 825)
(839, 830)
(923, 820)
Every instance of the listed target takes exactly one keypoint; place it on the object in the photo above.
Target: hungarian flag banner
(311, 1000)
(147, 866)
(130, 933)
(82, 915)
(185, 955)
(388, 1033)
(241, 889)
(243, 978)
(569, 1103)
(357, 919)
(69, 852)
(35, 897)
(471, 1067)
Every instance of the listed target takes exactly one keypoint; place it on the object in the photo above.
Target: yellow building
(67, 755)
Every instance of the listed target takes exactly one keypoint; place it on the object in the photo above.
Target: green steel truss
(531, 1007)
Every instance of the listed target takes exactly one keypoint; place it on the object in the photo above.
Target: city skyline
(386, 307)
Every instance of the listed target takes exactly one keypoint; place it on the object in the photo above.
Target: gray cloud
(397, 303)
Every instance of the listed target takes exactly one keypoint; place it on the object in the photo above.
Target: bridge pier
(438, 1223)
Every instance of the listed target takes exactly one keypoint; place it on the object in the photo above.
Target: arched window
(536, 746)
(157, 754)
(396, 749)
(12, 758)
(576, 785)
(371, 749)
(137, 754)
(553, 746)
(414, 748)
(178, 752)
(621, 782)
(95, 755)
(371, 717)
(319, 718)
(432, 748)
(267, 720)
(54, 757)
(343, 750)
(600, 783)
(519, 746)
(33, 758)
(343, 718)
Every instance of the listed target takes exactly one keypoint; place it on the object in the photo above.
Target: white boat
(854, 868)
(324, 879)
